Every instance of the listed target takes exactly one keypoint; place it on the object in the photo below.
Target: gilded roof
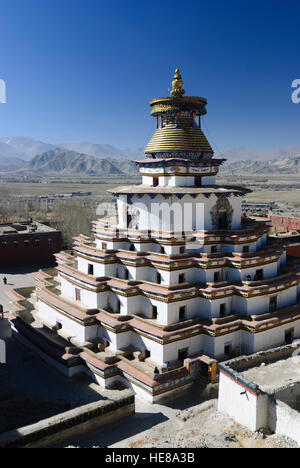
(171, 138)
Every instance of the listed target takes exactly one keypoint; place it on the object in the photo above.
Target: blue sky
(85, 70)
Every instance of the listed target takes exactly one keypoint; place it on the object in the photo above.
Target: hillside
(65, 162)
(103, 151)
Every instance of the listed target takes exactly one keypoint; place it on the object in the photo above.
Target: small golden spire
(177, 84)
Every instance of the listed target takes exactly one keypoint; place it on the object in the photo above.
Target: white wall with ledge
(247, 409)
(189, 213)
(71, 327)
(260, 304)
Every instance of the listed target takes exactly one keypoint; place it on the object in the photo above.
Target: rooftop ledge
(185, 190)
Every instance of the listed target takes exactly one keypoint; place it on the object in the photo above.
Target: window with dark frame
(154, 312)
(181, 278)
(77, 294)
(182, 313)
(228, 349)
(273, 304)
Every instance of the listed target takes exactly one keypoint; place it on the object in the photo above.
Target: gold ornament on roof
(177, 84)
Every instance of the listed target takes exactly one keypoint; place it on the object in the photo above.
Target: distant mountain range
(26, 155)
(272, 166)
(65, 162)
(241, 153)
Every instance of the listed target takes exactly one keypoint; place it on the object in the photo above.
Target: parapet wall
(70, 423)
(282, 419)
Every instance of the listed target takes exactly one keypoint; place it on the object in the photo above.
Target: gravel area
(187, 422)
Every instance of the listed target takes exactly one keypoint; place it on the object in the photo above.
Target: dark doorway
(198, 181)
(223, 220)
(216, 277)
(259, 274)
(182, 354)
(181, 278)
(155, 181)
(228, 349)
(273, 304)
(91, 269)
(182, 313)
(129, 219)
(154, 312)
(222, 310)
(289, 335)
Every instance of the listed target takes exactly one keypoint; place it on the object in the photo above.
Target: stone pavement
(16, 278)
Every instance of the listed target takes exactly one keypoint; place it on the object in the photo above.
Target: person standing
(5, 280)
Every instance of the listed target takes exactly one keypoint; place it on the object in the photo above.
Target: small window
(246, 249)
(154, 312)
(37, 242)
(181, 278)
(214, 249)
(132, 248)
(4, 245)
(228, 349)
(198, 181)
(77, 295)
(162, 250)
(155, 181)
(126, 274)
(182, 250)
(182, 313)
(104, 245)
(158, 278)
(222, 310)
(91, 269)
(273, 304)
(26, 243)
(15, 244)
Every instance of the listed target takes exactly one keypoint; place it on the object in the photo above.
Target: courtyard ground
(16, 278)
(190, 421)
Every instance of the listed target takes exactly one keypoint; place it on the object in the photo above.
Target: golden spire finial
(177, 84)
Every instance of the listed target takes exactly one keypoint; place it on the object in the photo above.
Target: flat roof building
(28, 243)
(262, 391)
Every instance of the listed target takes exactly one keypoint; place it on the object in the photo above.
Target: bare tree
(72, 219)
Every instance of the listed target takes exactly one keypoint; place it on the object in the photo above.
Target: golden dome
(171, 138)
